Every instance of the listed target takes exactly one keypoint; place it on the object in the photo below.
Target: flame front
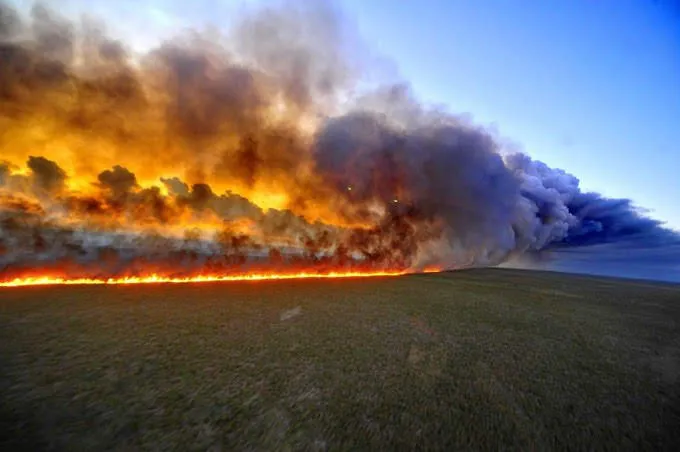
(160, 279)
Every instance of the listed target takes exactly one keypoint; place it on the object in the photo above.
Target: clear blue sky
(590, 86)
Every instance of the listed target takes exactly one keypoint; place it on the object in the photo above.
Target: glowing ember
(159, 279)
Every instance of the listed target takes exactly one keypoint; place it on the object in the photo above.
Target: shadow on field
(479, 359)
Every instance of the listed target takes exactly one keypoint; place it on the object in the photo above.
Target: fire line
(160, 279)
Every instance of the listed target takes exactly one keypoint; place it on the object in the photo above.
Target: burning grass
(473, 359)
(161, 279)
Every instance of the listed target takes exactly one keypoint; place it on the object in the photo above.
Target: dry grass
(476, 360)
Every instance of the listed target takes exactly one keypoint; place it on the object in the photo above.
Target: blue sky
(589, 86)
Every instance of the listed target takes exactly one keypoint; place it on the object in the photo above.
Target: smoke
(572, 218)
(4, 173)
(221, 151)
(118, 180)
(47, 175)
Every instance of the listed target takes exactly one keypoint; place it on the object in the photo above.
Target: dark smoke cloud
(572, 218)
(118, 180)
(604, 220)
(175, 186)
(438, 174)
(387, 183)
(47, 174)
(4, 173)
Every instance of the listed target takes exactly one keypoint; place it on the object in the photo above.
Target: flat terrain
(472, 360)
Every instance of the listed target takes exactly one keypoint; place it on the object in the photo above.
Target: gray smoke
(490, 207)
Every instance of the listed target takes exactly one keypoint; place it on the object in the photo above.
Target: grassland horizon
(469, 360)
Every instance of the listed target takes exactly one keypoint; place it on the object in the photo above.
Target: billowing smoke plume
(215, 153)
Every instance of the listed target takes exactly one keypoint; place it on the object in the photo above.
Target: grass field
(472, 360)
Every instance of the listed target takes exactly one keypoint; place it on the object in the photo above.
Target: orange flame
(160, 279)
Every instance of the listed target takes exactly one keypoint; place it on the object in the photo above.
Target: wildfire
(160, 279)
(200, 157)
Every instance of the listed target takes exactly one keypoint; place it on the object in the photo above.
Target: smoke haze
(217, 152)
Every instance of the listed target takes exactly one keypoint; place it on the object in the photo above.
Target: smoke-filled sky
(162, 134)
(592, 87)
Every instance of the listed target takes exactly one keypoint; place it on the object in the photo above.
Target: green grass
(472, 360)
